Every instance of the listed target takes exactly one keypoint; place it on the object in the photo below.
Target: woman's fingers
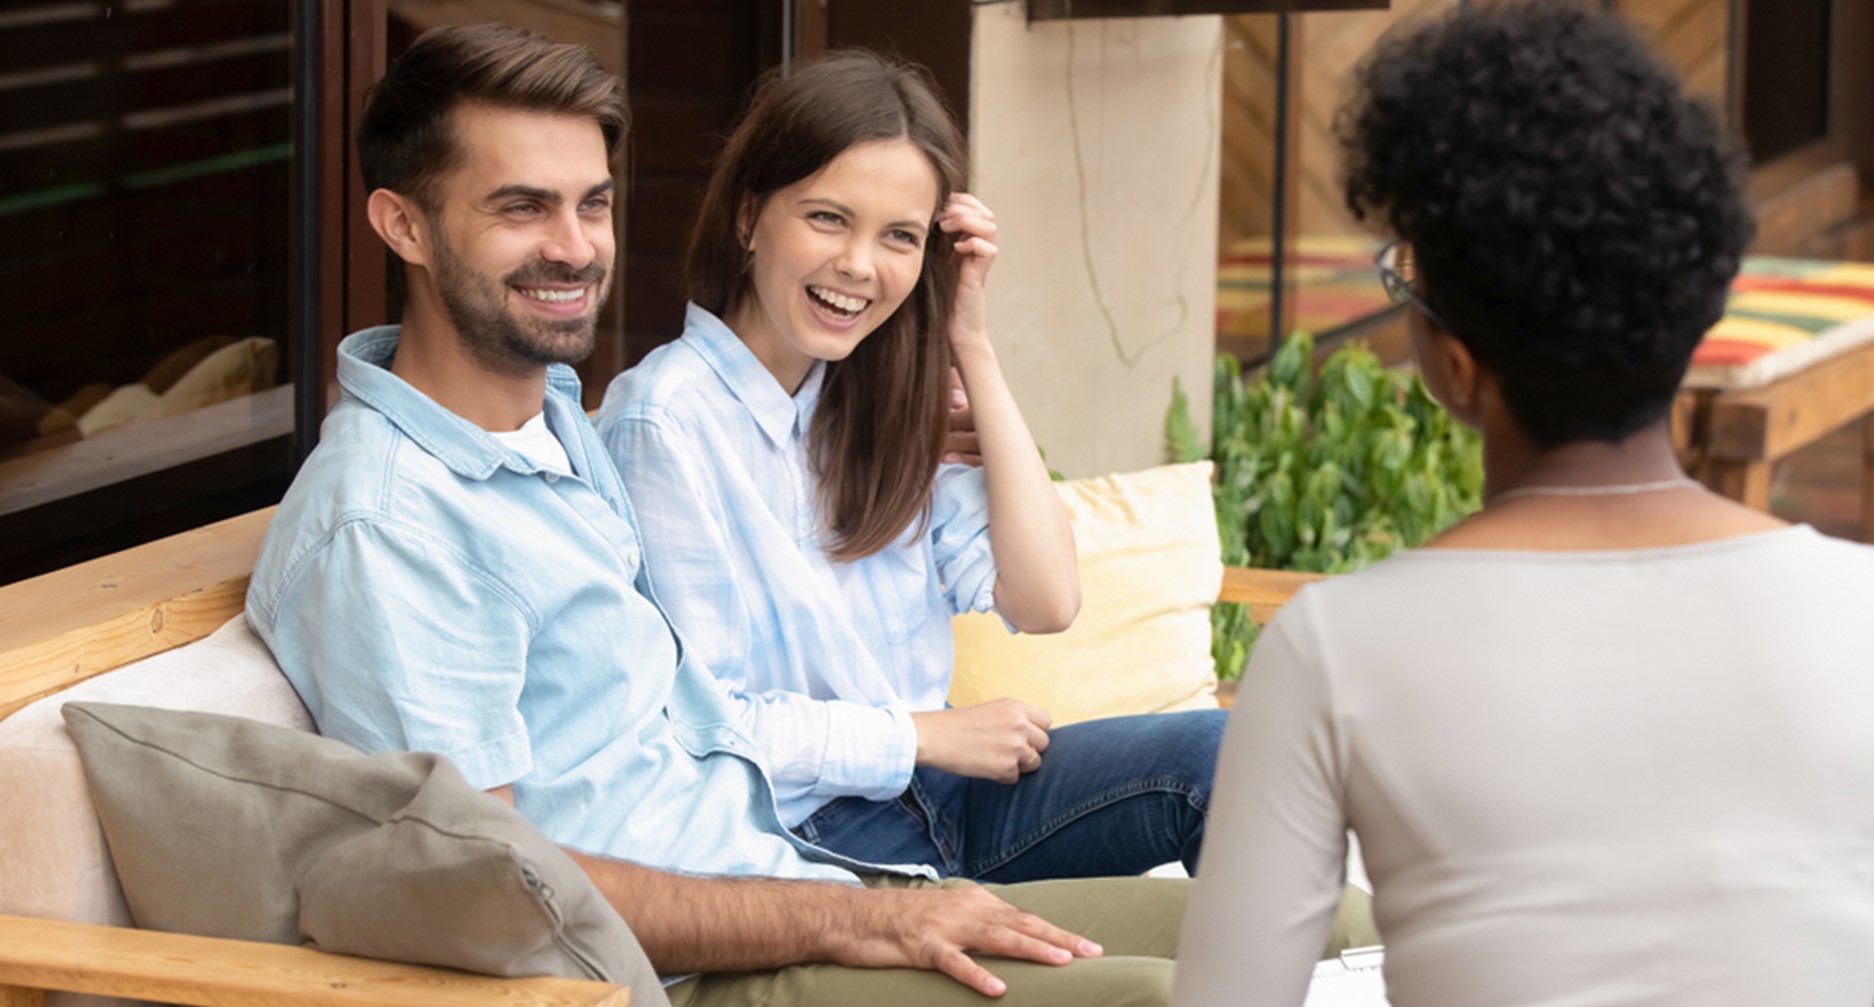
(970, 200)
(977, 248)
(965, 213)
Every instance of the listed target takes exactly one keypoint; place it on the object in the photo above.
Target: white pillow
(56, 864)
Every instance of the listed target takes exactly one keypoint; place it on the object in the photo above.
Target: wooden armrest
(1764, 424)
(59, 629)
(1263, 591)
(41, 955)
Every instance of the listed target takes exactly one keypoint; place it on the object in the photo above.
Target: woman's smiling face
(834, 255)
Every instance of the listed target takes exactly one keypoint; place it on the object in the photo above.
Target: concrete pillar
(1096, 144)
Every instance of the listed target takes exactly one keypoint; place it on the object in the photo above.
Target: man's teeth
(553, 296)
(833, 298)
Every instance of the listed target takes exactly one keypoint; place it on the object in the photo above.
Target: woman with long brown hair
(785, 459)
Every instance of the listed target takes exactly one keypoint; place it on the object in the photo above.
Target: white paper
(1352, 980)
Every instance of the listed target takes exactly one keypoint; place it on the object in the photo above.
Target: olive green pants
(1136, 921)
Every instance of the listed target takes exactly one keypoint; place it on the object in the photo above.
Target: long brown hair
(878, 432)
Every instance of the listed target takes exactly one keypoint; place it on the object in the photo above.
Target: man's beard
(499, 339)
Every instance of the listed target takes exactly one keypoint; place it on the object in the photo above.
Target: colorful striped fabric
(1335, 284)
(1785, 315)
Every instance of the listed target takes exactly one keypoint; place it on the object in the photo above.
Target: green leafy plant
(1323, 472)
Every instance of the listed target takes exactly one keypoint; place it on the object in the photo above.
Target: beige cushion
(234, 370)
(231, 828)
(239, 369)
(123, 406)
(57, 866)
(1149, 572)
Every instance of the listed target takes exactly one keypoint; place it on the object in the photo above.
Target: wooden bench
(70, 625)
(65, 627)
(1733, 439)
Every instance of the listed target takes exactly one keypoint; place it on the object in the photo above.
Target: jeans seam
(1136, 788)
(922, 808)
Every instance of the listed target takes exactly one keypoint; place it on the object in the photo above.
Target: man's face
(522, 244)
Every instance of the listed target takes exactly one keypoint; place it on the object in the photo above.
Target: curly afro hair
(1576, 219)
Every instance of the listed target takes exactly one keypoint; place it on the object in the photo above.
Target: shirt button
(552, 477)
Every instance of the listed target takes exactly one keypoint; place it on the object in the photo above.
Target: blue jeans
(1114, 796)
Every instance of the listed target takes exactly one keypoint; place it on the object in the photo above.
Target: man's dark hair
(406, 138)
(1576, 219)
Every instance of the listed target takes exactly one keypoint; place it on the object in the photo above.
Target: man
(456, 570)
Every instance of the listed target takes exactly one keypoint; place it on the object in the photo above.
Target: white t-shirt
(535, 442)
(1590, 778)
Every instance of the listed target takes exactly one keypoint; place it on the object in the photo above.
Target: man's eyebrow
(544, 195)
(524, 192)
(833, 204)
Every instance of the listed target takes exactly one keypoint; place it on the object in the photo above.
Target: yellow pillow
(1149, 572)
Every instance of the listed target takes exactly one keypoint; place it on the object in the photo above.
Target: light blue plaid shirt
(826, 660)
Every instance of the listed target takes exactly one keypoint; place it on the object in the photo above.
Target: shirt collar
(776, 412)
(364, 360)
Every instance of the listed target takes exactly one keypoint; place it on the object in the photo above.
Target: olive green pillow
(232, 828)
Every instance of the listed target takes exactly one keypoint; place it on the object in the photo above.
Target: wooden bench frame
(64, 627)
(1732, 440)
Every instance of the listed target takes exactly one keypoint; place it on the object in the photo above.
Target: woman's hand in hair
(998, 740)
(973, 226)
(1037, 577)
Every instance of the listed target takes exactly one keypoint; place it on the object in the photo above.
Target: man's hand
(934, 928)
(998, 740)
(687, 924)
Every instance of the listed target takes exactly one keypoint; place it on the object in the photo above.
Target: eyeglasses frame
(1398, 286)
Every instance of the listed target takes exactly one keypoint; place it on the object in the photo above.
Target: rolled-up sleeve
(834, 748)
(395, 641)
(959, 532)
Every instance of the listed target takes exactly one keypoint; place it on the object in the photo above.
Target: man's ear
(402, 224)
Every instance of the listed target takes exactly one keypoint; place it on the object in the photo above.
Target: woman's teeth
(839, 303)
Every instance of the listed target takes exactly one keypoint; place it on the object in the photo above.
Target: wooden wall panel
(1691, 36)
(1248, 161)
(1326, 47)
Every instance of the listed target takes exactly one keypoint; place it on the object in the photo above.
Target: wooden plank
(20, 996)
(64, 627)
(1746, 482)
(208, 971)
(1790, 212)
(1770, 422)
(1061, 10)
(1867, 479)
(1264, 591)
(599, 26)
(1689, 411)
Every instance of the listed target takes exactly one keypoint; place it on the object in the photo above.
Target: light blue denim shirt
(826, 660)
(426, 588)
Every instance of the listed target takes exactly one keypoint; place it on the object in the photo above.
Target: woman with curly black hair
(1607, 742)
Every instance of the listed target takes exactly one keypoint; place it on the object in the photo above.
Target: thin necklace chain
(1620, 489)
